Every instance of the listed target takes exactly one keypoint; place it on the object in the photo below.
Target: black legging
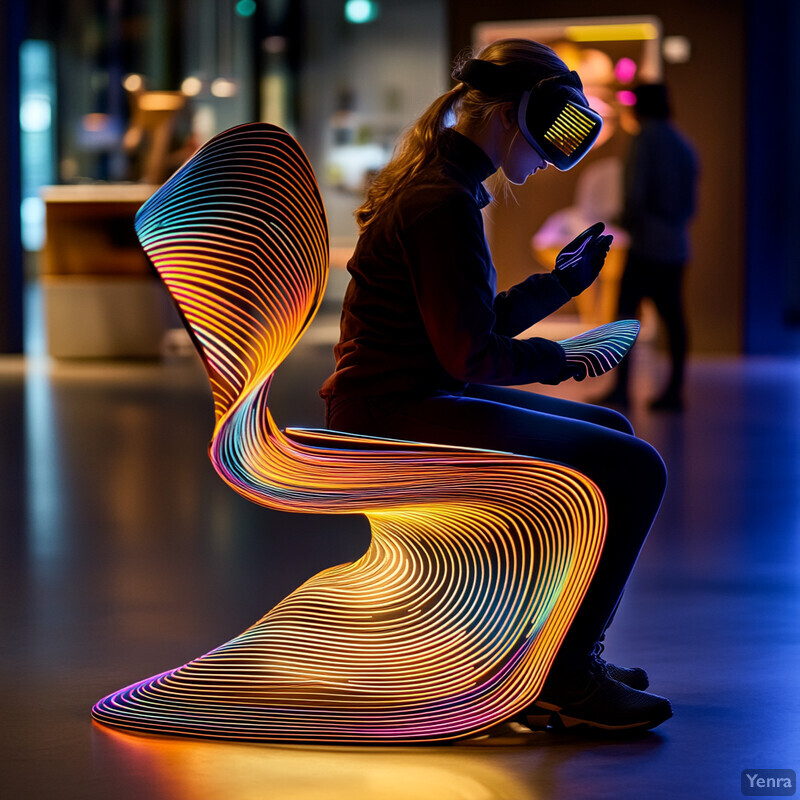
(662, 282)
(596, 441)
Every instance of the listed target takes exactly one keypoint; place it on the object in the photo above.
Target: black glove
(580, 262)
(571, 369)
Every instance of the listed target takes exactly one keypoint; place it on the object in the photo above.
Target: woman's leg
(598, 415)
(596, 441)
(629, 473)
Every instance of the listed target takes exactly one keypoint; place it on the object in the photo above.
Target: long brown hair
(418, 145)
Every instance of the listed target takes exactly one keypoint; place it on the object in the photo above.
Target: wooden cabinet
(101, 297)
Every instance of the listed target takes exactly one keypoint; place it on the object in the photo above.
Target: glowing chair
(478, 560)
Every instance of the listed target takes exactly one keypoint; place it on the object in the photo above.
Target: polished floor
(122, 554)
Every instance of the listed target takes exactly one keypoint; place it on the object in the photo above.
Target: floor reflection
(195, 770)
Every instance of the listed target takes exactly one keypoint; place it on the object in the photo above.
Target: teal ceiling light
(360, 11)
(246, 8)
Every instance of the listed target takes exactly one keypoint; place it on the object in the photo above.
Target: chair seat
(342, 440)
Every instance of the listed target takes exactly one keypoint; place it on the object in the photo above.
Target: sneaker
(635, 677)
(597, 703)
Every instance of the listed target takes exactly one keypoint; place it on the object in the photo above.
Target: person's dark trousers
(596, 441)
(662, 282)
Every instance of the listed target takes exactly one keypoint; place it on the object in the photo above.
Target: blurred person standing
(660, 198)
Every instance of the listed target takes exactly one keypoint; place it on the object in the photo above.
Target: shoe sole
(544, 715)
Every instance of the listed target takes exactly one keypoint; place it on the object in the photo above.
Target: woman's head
(489, 115)
(487, 111)
(537, 97)
(529, 63)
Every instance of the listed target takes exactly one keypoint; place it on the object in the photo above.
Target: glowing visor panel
(570, 129)
(478, 562)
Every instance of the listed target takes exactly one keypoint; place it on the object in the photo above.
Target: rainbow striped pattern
(478, 562)
(602, 348)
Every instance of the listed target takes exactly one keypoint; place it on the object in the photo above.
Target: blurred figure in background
(660, 198)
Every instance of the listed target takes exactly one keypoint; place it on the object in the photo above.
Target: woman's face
(521, 160)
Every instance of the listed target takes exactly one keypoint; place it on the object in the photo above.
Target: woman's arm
(455, 283)
(527, 303)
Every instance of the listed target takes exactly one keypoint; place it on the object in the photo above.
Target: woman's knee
(625, 466)
(647, 466)
(660, 466)
(608, 418)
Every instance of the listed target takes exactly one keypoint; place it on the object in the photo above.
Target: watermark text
(769, 782)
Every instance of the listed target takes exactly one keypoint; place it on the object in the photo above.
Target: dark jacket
(660, 192)
(421, 311)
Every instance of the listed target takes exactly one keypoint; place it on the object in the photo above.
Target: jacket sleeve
(527, 303)
(454, 282)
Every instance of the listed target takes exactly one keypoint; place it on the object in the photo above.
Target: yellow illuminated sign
(612, 32)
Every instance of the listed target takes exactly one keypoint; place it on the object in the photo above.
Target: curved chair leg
(478, 561)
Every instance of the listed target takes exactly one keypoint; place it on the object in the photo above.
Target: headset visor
(564, 136)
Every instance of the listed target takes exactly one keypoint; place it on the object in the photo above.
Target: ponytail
(415, 148)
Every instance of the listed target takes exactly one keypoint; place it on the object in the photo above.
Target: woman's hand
(580, 262)
(569, 369)
(572, 370)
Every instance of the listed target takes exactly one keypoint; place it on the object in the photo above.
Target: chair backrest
(239, 237)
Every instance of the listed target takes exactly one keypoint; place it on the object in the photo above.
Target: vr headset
(552, 112)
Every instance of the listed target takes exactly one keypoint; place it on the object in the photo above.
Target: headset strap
(497, 80)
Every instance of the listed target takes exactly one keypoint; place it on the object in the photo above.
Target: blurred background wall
(116, 93)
